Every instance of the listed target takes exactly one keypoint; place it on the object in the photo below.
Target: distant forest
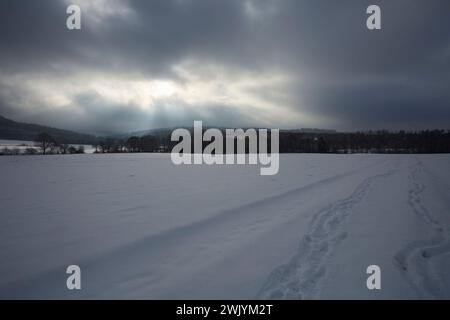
(57, 141)
(434, 141)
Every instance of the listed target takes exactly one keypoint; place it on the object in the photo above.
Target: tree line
(383, 141)
(426, 141)
(45, 144)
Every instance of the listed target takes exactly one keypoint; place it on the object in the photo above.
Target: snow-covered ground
(141, 227)
(22, 145)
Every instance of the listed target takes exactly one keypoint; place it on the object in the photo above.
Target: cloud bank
(283, 63)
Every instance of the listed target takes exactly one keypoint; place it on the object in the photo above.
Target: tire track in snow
(415, 259)
(301, 276)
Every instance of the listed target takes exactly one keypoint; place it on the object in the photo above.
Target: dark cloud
(341, 74)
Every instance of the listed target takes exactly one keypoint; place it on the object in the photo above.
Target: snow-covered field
(22, 145)
(140, 227)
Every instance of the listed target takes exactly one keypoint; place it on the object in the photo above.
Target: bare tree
(45, 141)
(133, 144)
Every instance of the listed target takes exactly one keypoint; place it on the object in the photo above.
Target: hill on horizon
(13, 130)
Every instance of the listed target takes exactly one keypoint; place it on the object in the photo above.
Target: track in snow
(301, 276)
(415, 259)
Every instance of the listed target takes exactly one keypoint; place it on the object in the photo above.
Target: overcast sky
(143, 64)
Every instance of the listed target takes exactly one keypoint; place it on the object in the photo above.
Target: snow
(140, 227)
(22, 145)
(7, 143)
